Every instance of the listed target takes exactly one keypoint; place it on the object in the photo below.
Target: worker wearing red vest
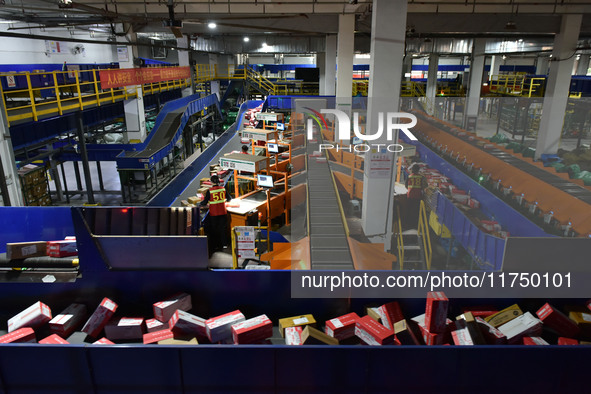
(415, 184)
(216, 227)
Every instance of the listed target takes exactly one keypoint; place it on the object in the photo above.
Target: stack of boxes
(383, 325)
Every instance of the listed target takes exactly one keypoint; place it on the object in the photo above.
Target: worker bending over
(216, 224)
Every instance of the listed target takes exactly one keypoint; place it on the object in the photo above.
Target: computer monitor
(265, 181)
(273, 148)
(280, 126)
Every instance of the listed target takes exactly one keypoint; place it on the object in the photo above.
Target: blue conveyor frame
(174, 188)
(205, 368)
(134, 368)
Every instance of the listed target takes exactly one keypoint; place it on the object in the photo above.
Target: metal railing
(518, 85)
(423, 232)
(31, 95)
(399, 240)
(279, 87)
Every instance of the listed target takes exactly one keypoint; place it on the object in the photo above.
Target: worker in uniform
(415, 184)
(216, 226)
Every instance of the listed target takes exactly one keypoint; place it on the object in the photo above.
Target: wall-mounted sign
(140, 76)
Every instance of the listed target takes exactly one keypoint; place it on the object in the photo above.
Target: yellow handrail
(54, 92)
(423, 231)
(400, 240)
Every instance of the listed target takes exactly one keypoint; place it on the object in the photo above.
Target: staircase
(414, 246)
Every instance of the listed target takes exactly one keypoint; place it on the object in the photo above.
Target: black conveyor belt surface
(162, 136)
(329, 249)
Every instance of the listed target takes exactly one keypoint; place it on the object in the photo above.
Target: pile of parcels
(172, 323)
(204, 185)
(250, 118)
(60, 248)
(439, 182)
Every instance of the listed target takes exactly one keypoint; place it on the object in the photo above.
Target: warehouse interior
(120, 117)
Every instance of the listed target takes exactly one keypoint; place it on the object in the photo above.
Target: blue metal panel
(25, 224)
(206, 371)
(286, 102)
(148, 369)
(486, 249)
(45, 369)
(493, 207)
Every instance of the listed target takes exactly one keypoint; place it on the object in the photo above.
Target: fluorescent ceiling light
(246, 39)
(212, 25)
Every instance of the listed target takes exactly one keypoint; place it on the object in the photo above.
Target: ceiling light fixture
(246, 39)
(510, 26)
(212, 25)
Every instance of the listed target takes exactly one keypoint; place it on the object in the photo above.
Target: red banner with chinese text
(139, 76)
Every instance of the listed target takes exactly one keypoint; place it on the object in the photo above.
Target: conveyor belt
(162, 136)
(329, 249)
(571, 188)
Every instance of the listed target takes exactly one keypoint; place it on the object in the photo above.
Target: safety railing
(399, 239)
(411, 89)
(518, 85)
(31, 95)
(280, 87)
(423, 232)
(360, 88)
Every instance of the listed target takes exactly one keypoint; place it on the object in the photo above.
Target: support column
(387, 50)
(495, 65)
(432, 83)
(558, 85)
(215, 85)
(321, 64)
(9, 182)
(330, 65)
(345, 55)
(184, 60)
(135, 117)
(583, 64)
(476, 71)
(407, 67)
(84, 157)
(542, 65)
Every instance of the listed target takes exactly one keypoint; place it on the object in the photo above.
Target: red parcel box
(22, 335)
(436, 312)
(372, 332)
(157, 336)
(64, 248)
(390, 314)
(54, 339)
(34, 316)
(535, 341)
(558, 321)
(252, 330)
(184, 323)
(68, 320)
(100, 318)
(219, 328)
(125, 328)
(103, 341)
(155, 325)
(342, 327)
(164, 310)
(293, 336)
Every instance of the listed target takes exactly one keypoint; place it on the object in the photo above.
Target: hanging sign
(139, 76)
